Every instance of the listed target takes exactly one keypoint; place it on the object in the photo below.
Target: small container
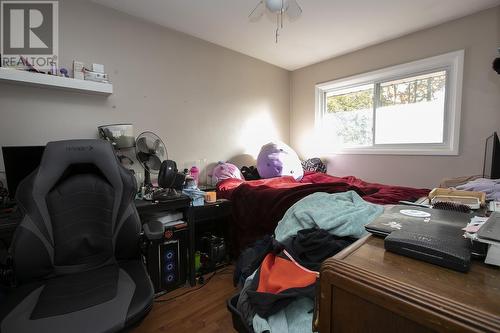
(53, 68)
(210, 197)
(195, 173)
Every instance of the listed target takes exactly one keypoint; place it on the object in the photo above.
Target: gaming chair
(76, 252)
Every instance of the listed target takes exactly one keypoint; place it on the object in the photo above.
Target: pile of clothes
(279, 274)
(491, 187)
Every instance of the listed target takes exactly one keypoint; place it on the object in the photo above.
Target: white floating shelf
(15, 76)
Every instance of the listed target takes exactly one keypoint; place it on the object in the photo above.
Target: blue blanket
(295, 318)
(342, 214)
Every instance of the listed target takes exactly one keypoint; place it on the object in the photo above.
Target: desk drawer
(211, 211)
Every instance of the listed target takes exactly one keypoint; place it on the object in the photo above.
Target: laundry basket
(239, 322)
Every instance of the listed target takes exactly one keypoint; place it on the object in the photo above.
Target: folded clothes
(197, 195)
(491, 187)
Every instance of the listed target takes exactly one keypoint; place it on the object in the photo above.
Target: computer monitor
(491, 166)
(19, 163)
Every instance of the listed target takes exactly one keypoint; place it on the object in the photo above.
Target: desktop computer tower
(166, 259)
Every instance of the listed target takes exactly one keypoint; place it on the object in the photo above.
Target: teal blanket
(295, 318)
(342, 214)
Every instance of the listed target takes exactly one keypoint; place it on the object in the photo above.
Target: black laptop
(422, 220)
(431, 235)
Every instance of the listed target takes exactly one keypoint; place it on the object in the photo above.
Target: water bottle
(195, 173)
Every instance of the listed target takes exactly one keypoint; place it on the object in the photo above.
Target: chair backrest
(79, 212)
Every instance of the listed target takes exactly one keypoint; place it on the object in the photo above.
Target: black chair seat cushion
(75, 292)
(142, 300)
(106, 299)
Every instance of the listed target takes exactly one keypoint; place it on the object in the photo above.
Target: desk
(146, 209)
(193, 215)
(211, 217)
(366, 289)
(167, 259)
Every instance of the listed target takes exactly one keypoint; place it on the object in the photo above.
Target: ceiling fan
(280, 8)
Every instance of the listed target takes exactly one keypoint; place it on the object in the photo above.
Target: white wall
(479, 35)
(205, 101)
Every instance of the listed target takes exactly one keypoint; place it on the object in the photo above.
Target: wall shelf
(20, 77)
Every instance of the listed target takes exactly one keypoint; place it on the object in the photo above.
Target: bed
(259, 205)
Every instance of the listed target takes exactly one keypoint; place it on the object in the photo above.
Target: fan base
(166, 194)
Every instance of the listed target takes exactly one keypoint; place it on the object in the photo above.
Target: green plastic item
(197, 263)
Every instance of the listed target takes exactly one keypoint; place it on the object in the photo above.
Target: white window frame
(452, 63)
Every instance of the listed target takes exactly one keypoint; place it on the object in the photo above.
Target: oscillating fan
(150, 151)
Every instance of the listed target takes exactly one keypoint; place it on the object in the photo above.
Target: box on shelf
(98, 68)
(94, 76)
(78, 70)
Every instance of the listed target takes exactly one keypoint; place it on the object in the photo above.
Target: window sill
(441, 151)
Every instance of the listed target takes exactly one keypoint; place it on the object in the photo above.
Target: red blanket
(259, 205)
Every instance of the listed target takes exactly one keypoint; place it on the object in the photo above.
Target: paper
(475, 224)
(494, 206)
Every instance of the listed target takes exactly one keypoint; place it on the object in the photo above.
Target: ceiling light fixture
(290, 8)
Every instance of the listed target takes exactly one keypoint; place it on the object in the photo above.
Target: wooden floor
(203, 310)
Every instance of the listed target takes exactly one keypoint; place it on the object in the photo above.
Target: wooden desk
(366, 289)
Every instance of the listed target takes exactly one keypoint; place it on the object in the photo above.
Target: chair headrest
(59, 155)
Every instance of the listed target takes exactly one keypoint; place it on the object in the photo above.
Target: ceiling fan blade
(142, 145)
(293, 10)
(257, 12)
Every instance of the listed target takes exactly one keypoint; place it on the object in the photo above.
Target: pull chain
(279, 20)
(277, 27)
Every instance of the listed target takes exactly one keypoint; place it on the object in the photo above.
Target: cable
(186, 292)
(191, 290)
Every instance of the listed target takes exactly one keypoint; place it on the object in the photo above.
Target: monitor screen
(19, 163)
(491, 166)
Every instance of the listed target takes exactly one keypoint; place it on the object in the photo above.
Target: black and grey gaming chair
(76, 252)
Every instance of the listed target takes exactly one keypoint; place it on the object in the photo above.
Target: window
(412, 108)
